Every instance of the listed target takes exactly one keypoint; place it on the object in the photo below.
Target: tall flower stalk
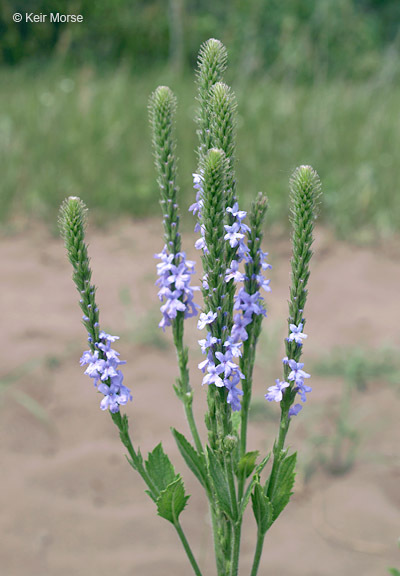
(233, 287)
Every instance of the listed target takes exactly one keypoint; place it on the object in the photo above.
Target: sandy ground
(70, 503)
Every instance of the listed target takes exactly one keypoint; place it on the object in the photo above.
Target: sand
(72, 506)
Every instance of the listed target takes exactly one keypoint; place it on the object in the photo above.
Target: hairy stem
(187, 548)
(257, 553)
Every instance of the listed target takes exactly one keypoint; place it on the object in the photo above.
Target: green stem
(231, 483)
(219, 559)
(184, 390)
(187, 548)
(257, 553)
(247, 369)
(278, 447)
(236, 549)
(136, 459)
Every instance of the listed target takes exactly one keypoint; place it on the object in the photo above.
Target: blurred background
(317, 82)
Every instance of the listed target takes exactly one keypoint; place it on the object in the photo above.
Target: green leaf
(193, 459)
(247, 463)
(172, 501)
(256, 478)
(160, 469)
(220, 483)
(283, 484)
(262, 508)
(394, 571)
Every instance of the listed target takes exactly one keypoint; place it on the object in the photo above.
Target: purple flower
(233, 273)
(264, 263)
(275, 392)
(243, 253)
(234, 347)
(103, 369)
(302, 389)
(207, 342)
(233, 234)
(297, 374)
(88, 357)
(296, 334)
(213, 375)
(205, 319)
(174, 274)
(236, 213)
(249, 303)
(234, 393)
(226, 363)
(294, 410)
(114, 397)
(263, 283)
(200, 244)
(198, 182)
(173, 305)
(239, 333)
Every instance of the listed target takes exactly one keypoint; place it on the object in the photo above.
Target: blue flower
(296, 334)
(207, 342)
(213, 375)
(233, 273)
(233, 234)
(236, 213)
(174, 275)
(227, 366)
(297, 374)
(103, 369)
(234, 393)
(205, 319)
(294, 410)
(249, 303)
(275, 393)
(234, 347)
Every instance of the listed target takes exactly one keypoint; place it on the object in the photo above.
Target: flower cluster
(246, 304)
(219, 367)
(103, 366)
(226, 372)
(174, 273)
(297, 375)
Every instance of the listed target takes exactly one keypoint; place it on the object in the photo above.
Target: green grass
(82, 133)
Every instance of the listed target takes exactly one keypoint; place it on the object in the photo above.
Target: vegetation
(317, 82)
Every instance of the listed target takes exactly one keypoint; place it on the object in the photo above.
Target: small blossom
(275, 392)
(234, 347)
(207, 342)
(302, 389)
(205, 319)
(264, 263)
(249, 303)
(226, 363)
(213, 375)
(263, 283)
(233, 273)
(296, 334)
(236, 213)
(239, 333)
(233, 234)
(234, 393)
(294, 410)
(297, 374)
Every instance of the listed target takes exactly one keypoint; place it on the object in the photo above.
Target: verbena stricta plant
(233, 286)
